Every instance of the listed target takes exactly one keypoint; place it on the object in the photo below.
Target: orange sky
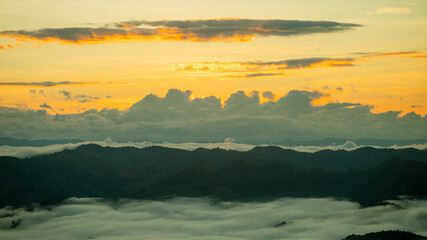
(380, 60)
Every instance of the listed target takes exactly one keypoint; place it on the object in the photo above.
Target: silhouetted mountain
(386, 235)
(244, 181)
(364, 175)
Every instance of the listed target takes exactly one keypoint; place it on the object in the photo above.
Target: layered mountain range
(368, 176)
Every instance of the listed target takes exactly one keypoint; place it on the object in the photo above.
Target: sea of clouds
(203, 218)
(228, 144)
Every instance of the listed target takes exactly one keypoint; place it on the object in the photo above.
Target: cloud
(44, 105)
(227, 30)
(66, 94)
(253, 75)
(43, 84)
(251, 69)
(392, 10)
(269, 95)
(82, 98)
(266, 65)
(85, 98)
(207, 219)
(388, 54)
(179, 118)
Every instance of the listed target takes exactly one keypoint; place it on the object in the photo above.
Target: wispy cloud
(251, 69)
(228, 30)
(265, 65)
(82, 98)
(43, 84)
(253, 75)
(387, 54)
(391, 10)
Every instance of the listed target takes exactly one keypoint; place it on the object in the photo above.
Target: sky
(71, 59)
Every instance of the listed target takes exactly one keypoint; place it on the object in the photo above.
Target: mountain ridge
(366, 175)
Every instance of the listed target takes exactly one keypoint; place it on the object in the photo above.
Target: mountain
(241, 180)
(365, 175)
(386, 235)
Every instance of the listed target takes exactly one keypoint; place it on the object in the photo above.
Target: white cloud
(202, 218)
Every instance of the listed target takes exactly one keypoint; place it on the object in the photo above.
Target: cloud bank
(175, 30)
(203, 219)
(179, 118)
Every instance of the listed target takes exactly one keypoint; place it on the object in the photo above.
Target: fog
(228, 144)
(203, 218)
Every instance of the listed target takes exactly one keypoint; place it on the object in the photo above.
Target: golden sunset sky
(72, 56)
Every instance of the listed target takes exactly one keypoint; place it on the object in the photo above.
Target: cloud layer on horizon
(203, 219)
(179, 118)
(227, 30)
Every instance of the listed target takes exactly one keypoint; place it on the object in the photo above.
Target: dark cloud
(339, 89)
(35, 93)
(179, 118)
(187, 30)
(42, 84)
(268, 95)
(82, 98)
(262, 74)
(253, 75)
(44, 105)
(66, 94)
(305, 62)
